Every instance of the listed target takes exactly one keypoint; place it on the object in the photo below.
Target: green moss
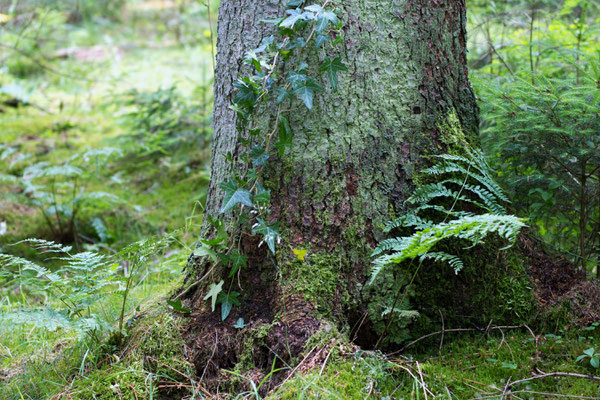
(157, 341)
(317, 278)
(492, 286)
(452, 132)
(466, 366)
(463, 368)
(153, 353)
(492, 360)
(363, 376)
(382, 294)
(115, 382)
(324, 337)
(254, 339)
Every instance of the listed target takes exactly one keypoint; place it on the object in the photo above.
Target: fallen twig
(211, 356)
(297, 366)
(325, 363)
(422, 380)
(550, 374)
(494, 327)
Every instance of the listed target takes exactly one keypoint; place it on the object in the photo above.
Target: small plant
(61, 192)
(591, 355)
(279, 77)
(544, 138)
(78, 284)
(593, 326)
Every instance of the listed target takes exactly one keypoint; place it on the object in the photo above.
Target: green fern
(78, 284)
(465, 182)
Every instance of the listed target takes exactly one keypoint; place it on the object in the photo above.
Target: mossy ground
(151, 364)
(465, 366)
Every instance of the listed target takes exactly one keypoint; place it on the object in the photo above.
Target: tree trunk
(349, 169)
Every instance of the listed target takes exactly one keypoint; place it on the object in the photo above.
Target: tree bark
(352, 162)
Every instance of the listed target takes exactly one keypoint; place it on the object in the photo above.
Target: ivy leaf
(240, 324)
(177, 306)
(294, 3)
(270, 233)
(259, 156)
(296, 79)
(237, 261)
(275, 21)
(302, 66)
(262, 195)
(307, 92)
(300, 254)
(322, 23)
(282, 94)
(252, 58)
(294, 16)
(298, 42)
(213, 293)
(266, 42)
(227, 302)
(234, 195)
(320, 41)
(332, 67)
(323, 17)
(595, 362)
(285, 135)
(205, 250)
(314, 8)
(246, 96)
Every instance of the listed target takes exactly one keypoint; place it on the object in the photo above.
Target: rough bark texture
(407, 69)
(239, 30)
(352, 162)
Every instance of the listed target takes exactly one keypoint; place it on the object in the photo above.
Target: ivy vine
(315, 27)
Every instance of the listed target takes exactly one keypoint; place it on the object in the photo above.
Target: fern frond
(49, 319)
(46, 246)
(443, 210)
(407, 220)
(377, 268)
(102, 152)
(491, 200)
(26, 265)
(432, 191)
(5, 178)
(395, 244)
(473, 166)
(402, 314)
(85, 261)
(454, 261)
(473, 229)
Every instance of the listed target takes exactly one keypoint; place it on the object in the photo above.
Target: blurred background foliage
(535, 66)
(105, 130)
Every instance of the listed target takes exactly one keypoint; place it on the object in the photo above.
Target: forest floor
(132, 87)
